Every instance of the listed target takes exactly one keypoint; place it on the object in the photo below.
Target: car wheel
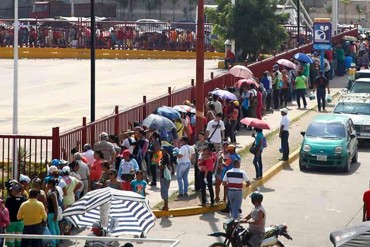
(347, 167)
(301, 166)
(355, 157)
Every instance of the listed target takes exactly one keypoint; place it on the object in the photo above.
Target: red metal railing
(43, 148)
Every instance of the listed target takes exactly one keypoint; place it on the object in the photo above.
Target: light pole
(92, 61)
(334, 16)
(200, 68)
(298, 23)
(15, 92)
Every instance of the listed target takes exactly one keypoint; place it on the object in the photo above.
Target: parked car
(330, 141)
(364, 73)
(357, 107)
(361, 85)
(152, 26)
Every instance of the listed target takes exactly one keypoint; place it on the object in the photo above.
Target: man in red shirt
(366, 207)
(230, 59)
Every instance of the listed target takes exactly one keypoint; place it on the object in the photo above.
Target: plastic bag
(328, 98)
(167, 173)
(312, 96)
(47, 242)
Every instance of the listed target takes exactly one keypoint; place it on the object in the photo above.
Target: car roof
(363, 80)
(330, 118)
(367, 71)
(356, 98)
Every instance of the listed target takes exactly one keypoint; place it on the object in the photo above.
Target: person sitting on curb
(229, 59)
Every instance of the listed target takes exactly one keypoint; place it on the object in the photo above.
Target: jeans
(268, 101)
(209, 185)
(340, 67)
(182, 177)
(285, 144)
(232, 131)
(275, 96)
(320, 95)
(32, 229)
(153, 171)
(284, 92)
(53, 227)
(301, 94)
(235, 201)
(257, 162)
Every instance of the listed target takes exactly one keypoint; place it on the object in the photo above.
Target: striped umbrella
(129, 212)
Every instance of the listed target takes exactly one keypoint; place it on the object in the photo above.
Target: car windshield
(360, 87)
(353, 108)
(326, 130)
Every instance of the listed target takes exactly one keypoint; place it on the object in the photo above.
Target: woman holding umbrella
(257, 160)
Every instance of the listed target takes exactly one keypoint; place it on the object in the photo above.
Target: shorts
(165, 186)
(256, 239)
(15, 227)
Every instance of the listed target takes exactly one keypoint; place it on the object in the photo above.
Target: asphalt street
(57, 92)
(312, 204)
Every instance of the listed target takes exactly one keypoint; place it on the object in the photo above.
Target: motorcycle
(236, 236)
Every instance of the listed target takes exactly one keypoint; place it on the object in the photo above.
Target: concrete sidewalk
(244, 140)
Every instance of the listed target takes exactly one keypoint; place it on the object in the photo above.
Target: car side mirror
(352, 136)
(303, 133)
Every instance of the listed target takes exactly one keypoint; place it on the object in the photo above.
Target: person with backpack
(257, 160)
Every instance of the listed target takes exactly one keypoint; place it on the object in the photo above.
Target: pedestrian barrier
(119, 121)
(120, 240)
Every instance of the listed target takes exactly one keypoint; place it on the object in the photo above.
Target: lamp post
(92, 61)
(334, 16)
(15, 93)
(200, 68)
(298, 23)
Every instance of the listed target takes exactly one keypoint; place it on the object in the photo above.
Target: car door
(353, 140)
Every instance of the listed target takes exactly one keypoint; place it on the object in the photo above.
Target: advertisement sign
(322, 35)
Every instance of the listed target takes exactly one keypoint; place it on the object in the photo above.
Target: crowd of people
(119, 36)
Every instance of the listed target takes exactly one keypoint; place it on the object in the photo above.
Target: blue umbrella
(168, 112)
(157, 122)
(303, 58)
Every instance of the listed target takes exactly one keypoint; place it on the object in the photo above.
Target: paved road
(312, 204)
(57, 92)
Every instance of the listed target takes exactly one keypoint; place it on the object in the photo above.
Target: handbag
(253, 149)
(167, 173)
(60, 213)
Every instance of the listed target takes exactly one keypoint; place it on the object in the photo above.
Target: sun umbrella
(224, 94)
(241, 71)
(303, 58)
(185, 108)
(156, 122)
(255, 123)
(287, 63)
(350, 38)
(168, 112)
(357, 236)
(242, 82)
(128, 211)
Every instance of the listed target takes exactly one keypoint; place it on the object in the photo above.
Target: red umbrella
(255, 122)
(242, 82)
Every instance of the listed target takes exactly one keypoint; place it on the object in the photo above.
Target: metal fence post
(92, 135)
(55, 143)
(84, 132)
(169, 96)
(211, 75)
(192, 90)
(116, 120)
(144, 107)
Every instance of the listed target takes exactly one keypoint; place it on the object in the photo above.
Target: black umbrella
(357, 236)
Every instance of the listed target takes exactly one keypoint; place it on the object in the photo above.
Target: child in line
(138, 184)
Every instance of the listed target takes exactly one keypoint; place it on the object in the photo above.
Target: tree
(253, 24)
(173, 9)
(359, 10)
(345, 2)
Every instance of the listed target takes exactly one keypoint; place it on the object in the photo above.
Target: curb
(271, 172)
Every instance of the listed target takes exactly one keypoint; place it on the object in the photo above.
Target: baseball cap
(53, 169)
(285, 110)
(24, 178)
(126, 153)
(66, 169)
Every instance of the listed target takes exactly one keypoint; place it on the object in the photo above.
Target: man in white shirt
(88, 154)
(217, 104)
(184, 158)
(215, 132)
(284, 134)
(84, 172)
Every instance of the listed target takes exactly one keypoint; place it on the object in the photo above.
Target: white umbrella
(241, 71)
(287, 63)
(128, 208)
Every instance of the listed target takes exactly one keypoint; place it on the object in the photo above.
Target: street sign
(322, 36)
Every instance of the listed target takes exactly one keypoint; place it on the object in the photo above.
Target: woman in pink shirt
(4, 219)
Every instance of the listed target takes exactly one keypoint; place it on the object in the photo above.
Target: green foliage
(252, 23)
(123, 3)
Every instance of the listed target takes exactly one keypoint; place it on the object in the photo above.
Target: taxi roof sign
(322, 20)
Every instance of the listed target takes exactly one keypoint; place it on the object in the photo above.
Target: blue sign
(322, 35)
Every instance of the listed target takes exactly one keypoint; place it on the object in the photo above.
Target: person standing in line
(84, 172)
(52, 206)
(206, 163)
(284, 91)
(366, 206)
(284, 134)
(257, 160)
(164, 180)
(276, 83)
(184, 158)
(215, 132)
(233, 180)
(321, 84)
(198, 147)
(33, 214)
(266, 81)
(300, 86)
(4, 220)
(88, 153)
(106, 148)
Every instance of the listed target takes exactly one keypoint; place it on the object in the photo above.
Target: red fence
(43, 148)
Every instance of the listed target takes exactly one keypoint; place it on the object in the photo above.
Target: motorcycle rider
(256, 220)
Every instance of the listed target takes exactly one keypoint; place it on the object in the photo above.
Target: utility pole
(200, 68)
(15, 93)
(334, 16)
(92, 61)
(298, 23)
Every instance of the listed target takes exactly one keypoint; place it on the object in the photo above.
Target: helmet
(256, 196)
